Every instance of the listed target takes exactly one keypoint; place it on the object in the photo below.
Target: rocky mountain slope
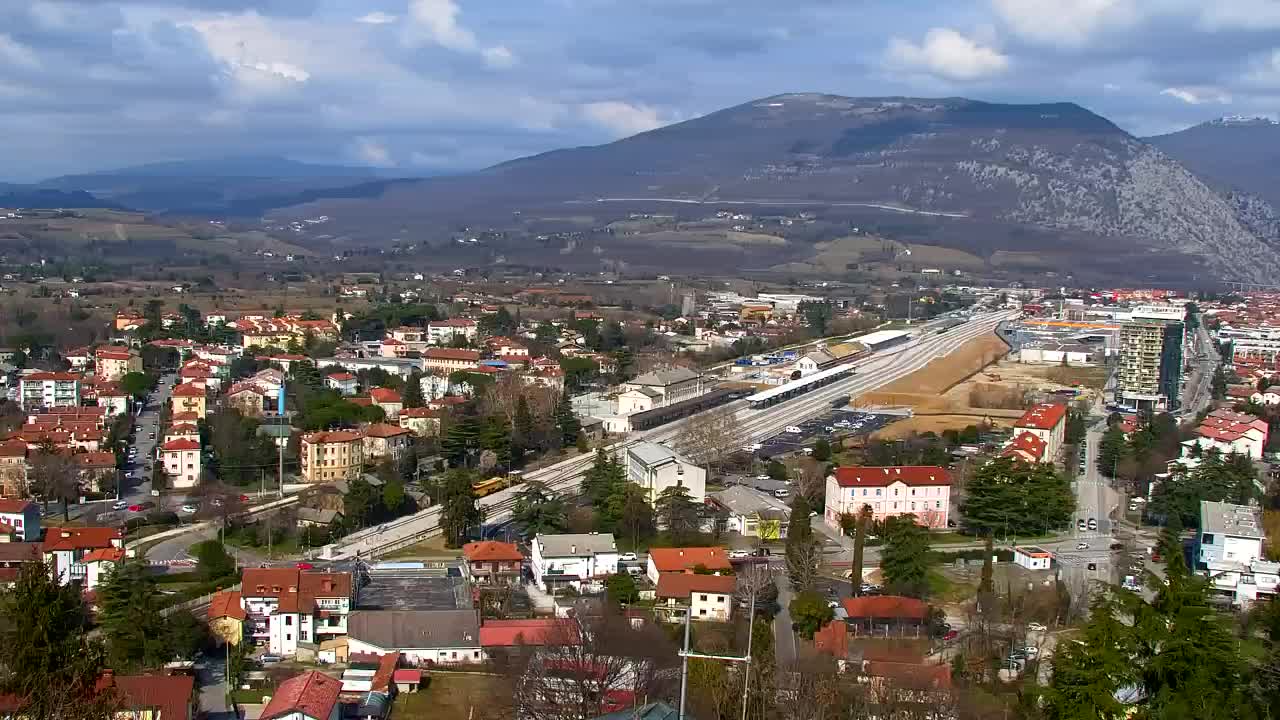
(1235, 153)
(993, 176)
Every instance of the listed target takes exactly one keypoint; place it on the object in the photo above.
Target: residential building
(668, 385)
(448, 360)
(383, 441)
(881, 611)
(1228, 550)
(97, 470)
(752, 513)
(247, 398)
(182, 431)
(1027, 447)
(1150, 372)
(1047, 422)
(13, 469)
(1230, 432)
(112, 363)
(421, 421)
(687, 559)
(189, 397)
(151, 697)
(64, 550)
(344, 382)
(181, 460)
(13, 555)
(226, 617)
(309, 696)
(445, 332)
(20, 520)
(332, 455)
(489, 562)
(294, 610)
(705, 597)
(497, 636)
(389, 400)
(420, 637)
(49, 390)
(579, 561)
(656, 468)
(110, 398)
(813, 362)
(920, 490)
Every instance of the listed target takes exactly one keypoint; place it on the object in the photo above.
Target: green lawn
(944, 538)
(455, 696)
(251, 697)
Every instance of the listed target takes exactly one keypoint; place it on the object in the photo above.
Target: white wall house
(657, 467)
(579, 561)
(1228, 550)
(920, 490)
(181, 462)
(420, 637)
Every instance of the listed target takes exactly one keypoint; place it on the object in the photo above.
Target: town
(487, 498)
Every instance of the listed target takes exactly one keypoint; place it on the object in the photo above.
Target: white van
(781, 492)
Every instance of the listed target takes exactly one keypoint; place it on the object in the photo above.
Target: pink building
(920, 490)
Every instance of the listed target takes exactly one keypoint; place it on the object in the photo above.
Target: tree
(567, 422)
(621, 589)
(629, 510)
(1111, 450)
(1013, 497)
(130, 619)
(213, 562)
(1217, 478)
(822, 450)
(1218, 385)
(861, 523)
(539, 511)
(777, 471)
(412, 396)
(603, 477)
(817, 315)
(53, 477)
(458, 509)
(809, 612)
(185, 634)
(906, 557)
(48, 663)
(802, 548)
(708, 437)
(1076, 429)
(136, 384)
(678, 514)
(393, 496)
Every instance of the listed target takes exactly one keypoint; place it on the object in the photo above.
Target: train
(482, 488)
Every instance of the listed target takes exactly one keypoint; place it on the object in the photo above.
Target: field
(920, 424)
(456, 696)
(926, 388)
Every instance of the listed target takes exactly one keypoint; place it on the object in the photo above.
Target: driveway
(786, 646)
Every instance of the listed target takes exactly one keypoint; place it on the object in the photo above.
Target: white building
(1048, 422)
(1032, 557)
(49, 389)
(920, 490)
(421, 637)
(657, 467)
(579, 561)
(444, 332)
(1228, 551)
(69, 551)
(20, 518)
(181, 460)
(668, 385)
(286, 607)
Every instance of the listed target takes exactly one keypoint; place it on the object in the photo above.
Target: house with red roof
(189, 397)
(533, 632)
(387, 399)
(248, 398)
(13, 468)
(878, 611)
(294, 610)
(20, 519)
(421, 421)
(49, 390)
(705, 597)
(920, 490)
(445, 332)
(226, 617)
(711, 560)
(1047, 421)
(490, 562)
(97, 470)
(384, 440)
(64, 550)
(309, 696)
(98, 562)
(13, 555)
(181, 460)
(152, 697)
(112, 362)
(448, 360)
(344, 382)
(1026, 447)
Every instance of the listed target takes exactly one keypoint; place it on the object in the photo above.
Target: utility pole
(684, 661)
(746, 675)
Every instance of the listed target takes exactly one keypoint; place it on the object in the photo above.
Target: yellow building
(226, 617)
(332, 455)
(188, 397)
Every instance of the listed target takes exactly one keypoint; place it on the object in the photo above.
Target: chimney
(573, 549)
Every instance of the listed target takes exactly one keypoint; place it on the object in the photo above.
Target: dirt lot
(927, 389)
(935, 424)
(456, 696)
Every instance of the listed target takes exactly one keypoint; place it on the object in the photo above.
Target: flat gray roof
(576, 545)
(1227, 519)
(742, 500)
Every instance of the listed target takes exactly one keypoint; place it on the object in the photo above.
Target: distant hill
(1235, 153)
(31, 197)
(1053, 185)
(238, 186)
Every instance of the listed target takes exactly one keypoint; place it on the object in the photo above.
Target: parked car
(793, 429)
(1036, 626)
(120, 505)
(739, 553)
(1082, 546)
(1093, 524)
(950, 635)
(270, 659)
(1080, 524)
(628, 557)
(781, 492)
(304, 566)
(189, 508)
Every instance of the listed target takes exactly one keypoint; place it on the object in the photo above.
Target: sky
(420, 86)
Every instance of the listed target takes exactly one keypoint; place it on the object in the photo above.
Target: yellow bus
(486, 487)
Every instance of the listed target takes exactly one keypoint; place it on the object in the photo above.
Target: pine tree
(412, 396)
(130, 618)
(458, 509)
(859, 546)
(678, 514)
(1111, 450)
(802, 549)
(906, 557)
(567, 422)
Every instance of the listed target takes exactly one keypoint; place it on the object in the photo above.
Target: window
(913, 506)
(913, 491)
(938, 504)
(288, 620)
(1207, 539)
(454, 655)
(877, 492)
(703, 598)
(288, 637)
(302, 635)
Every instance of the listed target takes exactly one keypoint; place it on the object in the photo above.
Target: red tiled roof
(42, 376)
(341, 376)
(917, 475)
(332, 436)
(418, 412)
(920, 677)
(885, 606)
(180, 444)
(385, 395)
(452, 354)
(171, 695)
(14, 507)
(185, 416)
(384, 430)
(832, 639)
(454, 322)
(682, 559)
(111, 554)
(79, 538)
(188, 390)
(536, 631)
(13, 448)
(491, 550)
(226, 604)
(1026, 445)
(287, 357)
(680, 585)
(112, 354)
(313, 694)
(95, 459)
(1044, 416)
(406, 675)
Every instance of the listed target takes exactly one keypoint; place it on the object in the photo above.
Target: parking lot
(845, 423)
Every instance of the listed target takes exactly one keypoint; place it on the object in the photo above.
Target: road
(752, 424)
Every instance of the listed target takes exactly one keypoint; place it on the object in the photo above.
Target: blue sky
(453, 84)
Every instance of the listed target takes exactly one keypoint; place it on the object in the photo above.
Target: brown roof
(188, 390)
(489, 550)
(13, 506)
(226, 604)
(385, 395)
(186, 416)
(19, 552)
(885, 606)
(42, 376)
(922, 677)
(384, 430)
(885, 476)
(332, 436)
(680, 585)
(95, 459)
(452, 354)
(681, 559)
(13, 448)
(313, 694)
(180, 444)
(108, 554)
(535, 631)
(171, 695)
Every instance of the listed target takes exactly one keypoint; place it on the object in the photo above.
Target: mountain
(1053, 187)
(32, 197)
(1235, 153)
(238, 186)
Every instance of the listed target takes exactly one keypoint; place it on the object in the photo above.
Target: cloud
(14, 52)
(947, 54)
(1065, 23)
(1198, 96)
(436, 21)
(371, 151)
(377, 18)
(498, 57)
(622, 118)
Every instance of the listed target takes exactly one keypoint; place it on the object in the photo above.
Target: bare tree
(52, 477)
(577, 669)
(708, 437)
